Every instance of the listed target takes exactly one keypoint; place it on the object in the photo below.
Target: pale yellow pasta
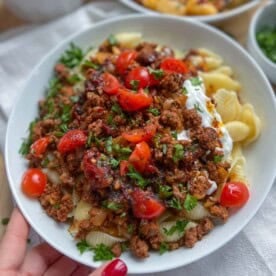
(238, 131)
(227, 105)
(198, 212)
(238, 174)
(249, 117)
(176, 235)
(214, 81)
(129, 40)
(81, 211)
(211, 60)
(195, 8)
(166, 6)
(94, 238)
(226, 70)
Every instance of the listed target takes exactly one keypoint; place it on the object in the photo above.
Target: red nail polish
(115, 268)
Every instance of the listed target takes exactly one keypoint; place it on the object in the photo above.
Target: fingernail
(115, 268)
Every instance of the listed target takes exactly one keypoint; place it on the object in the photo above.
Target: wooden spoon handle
(6, 204)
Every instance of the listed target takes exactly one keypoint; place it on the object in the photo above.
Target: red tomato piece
(145, 206)
(124, 60)
(111, 84)
(71, 140)
(172, 65)
(140, 157)
(96, 175)
(33, 182)
(141, 134)
(130, 101)
(40, 146)
(138, 78)
(234, 194)
(124, 167)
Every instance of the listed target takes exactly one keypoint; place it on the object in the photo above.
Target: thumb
(114, 268)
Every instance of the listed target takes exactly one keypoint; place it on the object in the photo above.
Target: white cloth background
(252, 252)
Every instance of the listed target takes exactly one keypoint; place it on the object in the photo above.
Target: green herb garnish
(218, 158)
(108, 144)
(175, 203)
(73, 79)
(197, 107)
(196, 81)
(102, 253)
(184, 91)
(163, 248)
(178, 227)
(115, 206)
(140, 181)
(45, 162)
(130, 228)
(190, 202)
(178, 152)
(54, 87)
(112, 40)
(90, 64)
(157, 73)
(83, 246)
(154, 111)
(74, 99)
(165, 191)
(114, 163)
(72, 56)
(134, 84)
(26, 144)
(174, 134)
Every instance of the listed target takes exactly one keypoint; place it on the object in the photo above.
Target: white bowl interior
(261, 156)
(266, 16)
(204, 18)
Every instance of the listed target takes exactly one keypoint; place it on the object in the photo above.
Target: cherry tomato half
(140, 157)
(130, 101)
(33, 182)
(40, 146)
(124, 60)
(145, 206)
(234, 194)
(172, 65)
(138, 78)
(111, 84)
(141, 134)
(71, 140)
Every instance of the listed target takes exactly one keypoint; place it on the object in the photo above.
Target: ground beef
(204, 227)
(139, 247)
(171, 119)
(116, 249)
(199, 184)
(219, 212)
(191, 118)
(217, 172)
(171, 83)
(190, 237)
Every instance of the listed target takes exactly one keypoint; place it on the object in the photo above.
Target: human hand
(42, 259)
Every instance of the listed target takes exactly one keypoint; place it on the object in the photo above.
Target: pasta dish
(138, 146)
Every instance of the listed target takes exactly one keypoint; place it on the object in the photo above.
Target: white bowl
(179, 33)
(265, 16)
(216, 18)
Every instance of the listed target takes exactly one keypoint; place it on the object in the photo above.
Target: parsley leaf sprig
(163, 248)
(139, 179)
(102, 253)
(26, 144)
(72, 56)
(178, 153)
(178, 227)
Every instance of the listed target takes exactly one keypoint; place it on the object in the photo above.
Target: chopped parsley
(26, 144)
(184, 91)
(114, 163)
(116, 109)
(197, 107)
(90, 64)
(64, 128)
(73, 79)
(108, 144)
(190, 202)
(196, 81)
(89, 139)
(157, 73)
(134, 84)
(83, 246)
(165, 191)
(45, 162)
(72, 56)
(130, 228)
(112, 40)
(54, 87)
(66, 113)
(163, 248)
(139, 180)
(174, 134)
(102, 253)
(175, 203)
(121, 152)
(178, 152)
(115, 206)
(154, 111)
(178, 227)
(218, 158)
(5, 221)
(56, 206)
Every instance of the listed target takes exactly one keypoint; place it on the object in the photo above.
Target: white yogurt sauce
(197, 99)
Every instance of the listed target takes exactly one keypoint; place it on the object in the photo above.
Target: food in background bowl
(190, 7)
(138, 145)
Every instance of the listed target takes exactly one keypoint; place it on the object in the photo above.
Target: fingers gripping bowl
(157, 30)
